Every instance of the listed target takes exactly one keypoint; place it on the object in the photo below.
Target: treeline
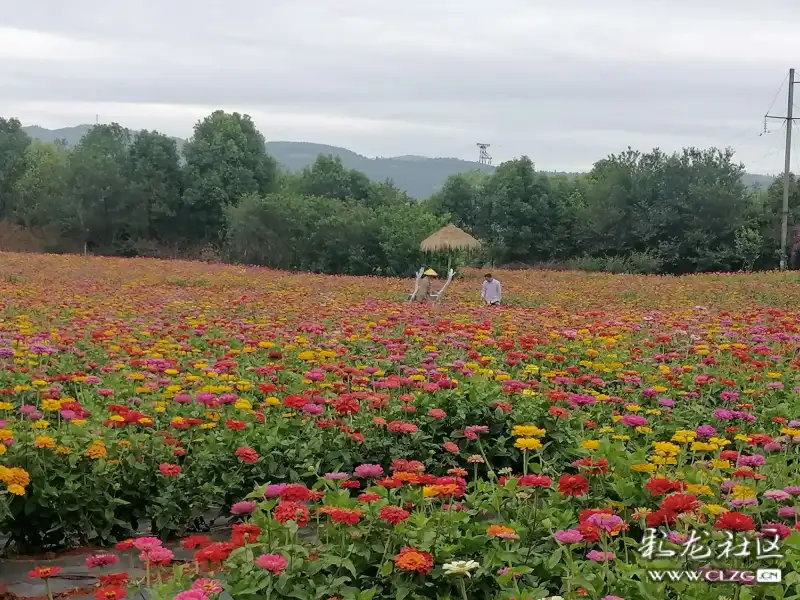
(134, 193)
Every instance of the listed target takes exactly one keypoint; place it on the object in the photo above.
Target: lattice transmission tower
(483, 157)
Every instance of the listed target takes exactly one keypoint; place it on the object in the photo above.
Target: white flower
(460, 567)
(554, 598)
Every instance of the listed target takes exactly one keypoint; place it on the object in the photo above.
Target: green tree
(226, 159)
(13, 143)
(156, 183)
(40, 190)
(98, 210)
(329, 178)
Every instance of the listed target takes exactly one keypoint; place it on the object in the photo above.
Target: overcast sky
(565, 82)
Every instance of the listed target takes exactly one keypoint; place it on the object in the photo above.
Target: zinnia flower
(573, 485)
(275, 563)
(460, 567)
(411, 559)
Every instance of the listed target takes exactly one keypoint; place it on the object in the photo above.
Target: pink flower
(634, 420)
(568, 536)
(613, 598)
(191, 595)
(605, 522)
(101, 560)
(437, 413)
(208, 586)
(369, 471)
(157, 556)
(147, 544)
(598, 556)
(471, 432)
(245, 507)
(274, 563)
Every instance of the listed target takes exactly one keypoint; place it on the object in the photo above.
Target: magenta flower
(634, 420)
(191, 595)
(101, 560)
(147, 544)
(368, 470)
(598, 556)
(779, 495)
(606, 522)
(208, 586)
(275, 563)
(568, 536)
(245, 507)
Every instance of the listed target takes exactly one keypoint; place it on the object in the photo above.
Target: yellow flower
(63, 450)
(2, 449)
(715, 509)
(699, 489)
(40, 424)
(643, 467)
(17, 490)
(6, 434)
(528, 443)
(44, 441)
(243, 404)
(684, 436)
(666, 448)
(644, 429)
(740, 492)
(527, 431)
(663, 460)
(208, 426)
(6, 406)
(50, 405)
(78, 421)
(719, 441)
(273, 401)
(641, 512)
(590, 444)
(704, 447)
(117, 418)
(620, 437)
(123, 443)
(774, 375)
(718, 463)
(633, 407)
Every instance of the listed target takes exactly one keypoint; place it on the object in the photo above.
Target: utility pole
(787, 165)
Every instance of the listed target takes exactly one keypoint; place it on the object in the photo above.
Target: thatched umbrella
(449, 237)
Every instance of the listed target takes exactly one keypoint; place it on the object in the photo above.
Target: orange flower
(502, 531)
(411, 559)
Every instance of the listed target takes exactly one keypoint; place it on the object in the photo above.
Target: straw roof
(449, 237)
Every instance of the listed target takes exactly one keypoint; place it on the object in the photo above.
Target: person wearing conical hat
(424, 289)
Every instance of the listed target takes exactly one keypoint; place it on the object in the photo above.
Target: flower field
(363, 447)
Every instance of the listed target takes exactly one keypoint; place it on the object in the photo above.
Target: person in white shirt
(490, 291)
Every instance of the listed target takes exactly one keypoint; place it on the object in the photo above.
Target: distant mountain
(419, 176)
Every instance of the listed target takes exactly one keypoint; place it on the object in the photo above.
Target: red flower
(558, 412)
(246, 454)
(195, 541)
(734, 521)
(169, 470)
(291, 511)
(679, 503)
(660, 486)
(393, 515)
(44, 572)
(114, 579)
(344, 515)
(214, 553)
(111, 592)
(244, 533)
(573, 485)
(660, 517)
(235, 425)
(295, 492)
(451, 447)
(369, 497)
(535, 481)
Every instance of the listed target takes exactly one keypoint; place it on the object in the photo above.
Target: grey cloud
(565, 83)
